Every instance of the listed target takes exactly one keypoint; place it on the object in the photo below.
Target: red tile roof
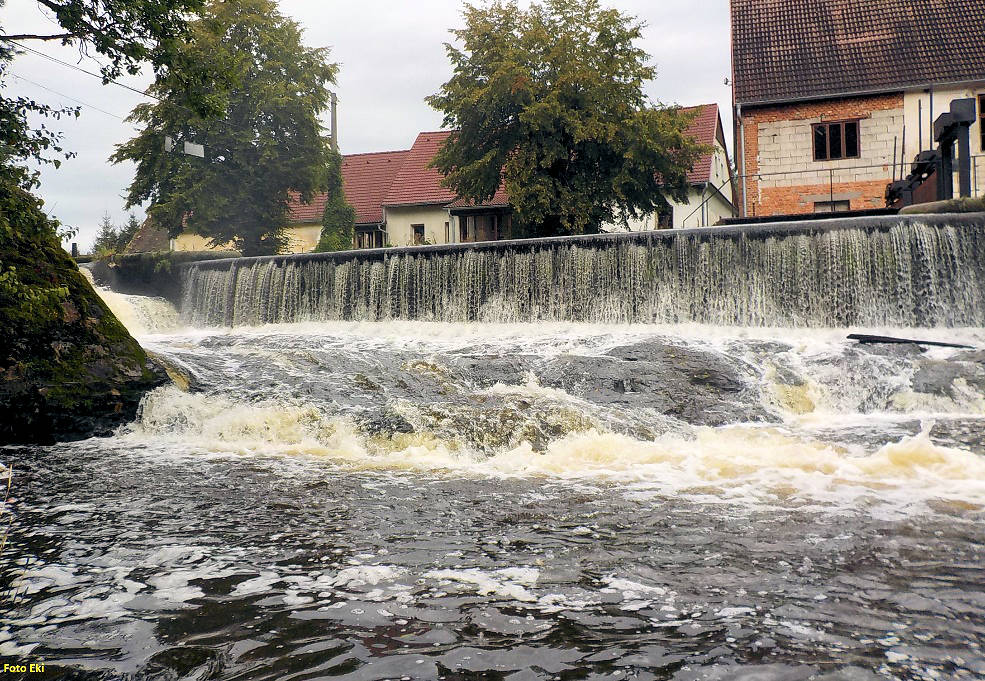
(784, 50)
(149, 239)
(306, 213)
(416, 183)
(403, 178)
(366, 179)
(704, 129)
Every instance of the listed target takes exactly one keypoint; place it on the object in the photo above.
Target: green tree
(127, 232)
(127, 33)
(339, 219)
(267, 142)
(107, 239)
(550, 101)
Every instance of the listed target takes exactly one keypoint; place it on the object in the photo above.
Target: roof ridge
(376, 153)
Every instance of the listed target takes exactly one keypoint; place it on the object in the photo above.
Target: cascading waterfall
(141, 315)
(877, 272)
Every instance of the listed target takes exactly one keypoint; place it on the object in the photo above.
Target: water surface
(407, 500)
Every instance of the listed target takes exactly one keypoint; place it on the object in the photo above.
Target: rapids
(412, 499)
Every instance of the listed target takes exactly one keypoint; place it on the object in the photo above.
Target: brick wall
(782, 175)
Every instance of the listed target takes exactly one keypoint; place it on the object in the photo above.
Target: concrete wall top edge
(758, 230)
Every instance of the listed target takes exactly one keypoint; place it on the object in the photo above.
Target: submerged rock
(68, 369)
(696, 386)
(939, 377)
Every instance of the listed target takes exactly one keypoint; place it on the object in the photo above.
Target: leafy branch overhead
(127, 33)
(549, 100)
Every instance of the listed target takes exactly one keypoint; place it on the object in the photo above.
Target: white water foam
(740, 462)
(141, 315)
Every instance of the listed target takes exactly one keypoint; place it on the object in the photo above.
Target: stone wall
(782, 175)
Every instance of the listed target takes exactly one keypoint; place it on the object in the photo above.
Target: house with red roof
(416, 204)
(399, 199)
(711, 196)
(366, 180)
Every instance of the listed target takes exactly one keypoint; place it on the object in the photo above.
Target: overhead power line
(103, 79)
(81, 70)
(69, 98)
(76, 67)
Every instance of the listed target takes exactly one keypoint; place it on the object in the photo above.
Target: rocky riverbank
(68, 369)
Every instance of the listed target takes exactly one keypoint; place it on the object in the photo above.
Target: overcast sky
(392, 56)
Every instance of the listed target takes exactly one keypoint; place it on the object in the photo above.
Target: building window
(418, 234)
(665, 218)
(447, 232)
(981, 118)
(832, 206)
(833, 141)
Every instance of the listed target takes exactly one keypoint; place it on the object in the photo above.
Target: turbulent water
(922, 272)
(420, 500)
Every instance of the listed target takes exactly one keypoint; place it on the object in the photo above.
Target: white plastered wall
(697, 212)
(399, 221)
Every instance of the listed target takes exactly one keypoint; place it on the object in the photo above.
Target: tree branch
(31, 36)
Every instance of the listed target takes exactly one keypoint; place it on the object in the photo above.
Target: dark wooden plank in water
(863, 338)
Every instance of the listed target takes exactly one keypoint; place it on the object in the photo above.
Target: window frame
(981, 119)
(664, 218)
(413, 232)
(834, 207)
(843, 125)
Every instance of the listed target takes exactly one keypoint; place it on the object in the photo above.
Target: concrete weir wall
(146, 274)
(881, 271)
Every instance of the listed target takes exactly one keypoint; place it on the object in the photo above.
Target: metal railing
(833, 177)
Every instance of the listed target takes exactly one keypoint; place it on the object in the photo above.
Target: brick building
(827, 93)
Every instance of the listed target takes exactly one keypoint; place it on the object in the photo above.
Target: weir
(906, 271)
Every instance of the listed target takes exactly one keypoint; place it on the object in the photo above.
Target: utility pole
(335, 122)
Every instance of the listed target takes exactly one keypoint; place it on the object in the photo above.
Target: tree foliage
(107, 239)
(111, 239)
(19, 142)
(550, 101)
(127, 232)
(128, 33)
(266, 142)
(339, 218)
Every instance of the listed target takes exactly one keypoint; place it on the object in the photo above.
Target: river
(437, 500)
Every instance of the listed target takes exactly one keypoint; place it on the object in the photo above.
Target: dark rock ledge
(69, 370)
